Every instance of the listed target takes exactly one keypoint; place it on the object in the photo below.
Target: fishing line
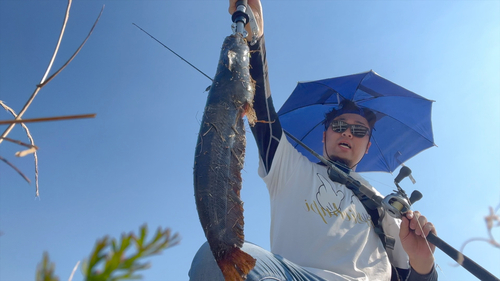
(425, 236)
(429, 246)
(173, 52)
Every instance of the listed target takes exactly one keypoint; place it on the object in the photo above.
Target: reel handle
(415, 196)
(403, 173)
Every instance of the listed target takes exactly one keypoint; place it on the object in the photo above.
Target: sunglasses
(340, 126)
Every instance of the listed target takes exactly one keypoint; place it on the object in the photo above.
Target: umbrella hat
(403, 127)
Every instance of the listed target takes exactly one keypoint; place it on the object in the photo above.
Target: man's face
(344, 146)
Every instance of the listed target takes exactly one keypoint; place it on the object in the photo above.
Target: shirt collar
(341, 166)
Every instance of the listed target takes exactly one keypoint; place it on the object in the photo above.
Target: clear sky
(133, 163)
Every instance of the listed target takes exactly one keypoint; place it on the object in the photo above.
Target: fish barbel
(219, 156)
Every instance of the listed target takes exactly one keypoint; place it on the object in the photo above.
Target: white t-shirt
(321, 225)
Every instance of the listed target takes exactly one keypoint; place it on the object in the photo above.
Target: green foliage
(45, 270)
(112, 260)
(116, 264)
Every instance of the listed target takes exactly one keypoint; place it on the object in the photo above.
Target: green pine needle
(113, 260)
(45, 270)
(117, 263)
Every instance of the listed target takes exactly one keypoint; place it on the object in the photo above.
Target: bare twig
(11, 111)
(42, 83)
(492, 220)
(43, 119)
(31, 148)
(30, 100)
(32, 141)
(15, 168)
(76, 52)
(20, 143)
(66, 17)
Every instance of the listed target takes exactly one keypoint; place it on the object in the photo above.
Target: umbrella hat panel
(414, 113)
(393, 143)
(322, 92)
(403, 127)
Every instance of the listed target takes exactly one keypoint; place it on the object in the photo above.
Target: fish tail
(236, 265)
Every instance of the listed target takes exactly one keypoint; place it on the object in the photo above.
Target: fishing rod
(242, 16)
(174, 52)
(397, 204)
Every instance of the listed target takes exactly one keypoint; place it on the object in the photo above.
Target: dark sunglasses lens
(339, 126)
(359, 131)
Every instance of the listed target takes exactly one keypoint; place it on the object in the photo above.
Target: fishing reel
(398, 203)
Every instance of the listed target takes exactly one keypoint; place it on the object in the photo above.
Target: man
(319, 228)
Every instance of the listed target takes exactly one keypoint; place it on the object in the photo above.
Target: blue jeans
(268, 266)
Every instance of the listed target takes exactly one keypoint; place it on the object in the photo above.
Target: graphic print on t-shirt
(328, 197)
(331, 202)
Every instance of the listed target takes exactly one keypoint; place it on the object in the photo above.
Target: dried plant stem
(43, 119)
(18, 116)
(30, 100)
(15, 168)
(75, 53)
(43, 82)
(73, 272)
(66, 17)
(492, 220)
(21, 143)
(35, 156)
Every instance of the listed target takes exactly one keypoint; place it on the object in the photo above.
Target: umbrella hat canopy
(403, 127)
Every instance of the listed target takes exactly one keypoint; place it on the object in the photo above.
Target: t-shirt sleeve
(287, 161)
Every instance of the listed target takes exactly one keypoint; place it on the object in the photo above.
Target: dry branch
(492, 220)
(35, 156)
(42, 83)
(43, 119)
(16, 169)
(20, 143)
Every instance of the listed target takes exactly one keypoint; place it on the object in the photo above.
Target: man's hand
(257, 11)
(414, 229)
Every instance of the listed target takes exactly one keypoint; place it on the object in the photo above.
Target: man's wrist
(416, 276)
(422, 267)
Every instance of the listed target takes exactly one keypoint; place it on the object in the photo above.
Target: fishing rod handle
(240, 16)
(241, 2)
(463, 260)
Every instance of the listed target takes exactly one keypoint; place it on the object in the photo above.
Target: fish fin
(236, 265)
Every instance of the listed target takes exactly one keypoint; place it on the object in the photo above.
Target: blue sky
(132, 164)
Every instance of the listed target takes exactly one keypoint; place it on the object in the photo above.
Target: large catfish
(219, 156)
